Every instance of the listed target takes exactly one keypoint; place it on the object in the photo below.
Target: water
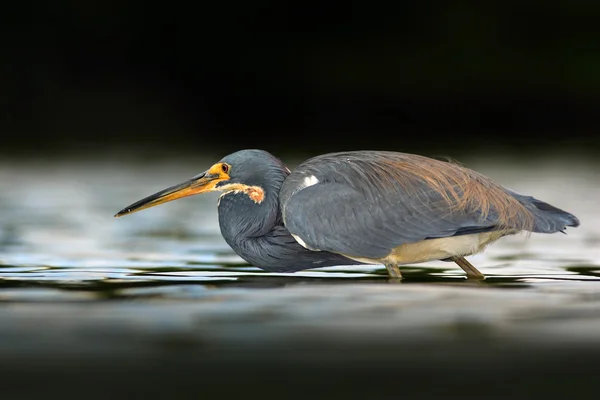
(157, 301)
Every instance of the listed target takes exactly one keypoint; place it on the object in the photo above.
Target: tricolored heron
(373, 207)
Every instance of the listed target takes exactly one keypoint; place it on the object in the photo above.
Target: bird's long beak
(204, 182)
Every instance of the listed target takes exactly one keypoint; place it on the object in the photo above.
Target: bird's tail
(548, 219)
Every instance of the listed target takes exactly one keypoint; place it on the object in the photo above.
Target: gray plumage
(256, 231)
(357, 210)
(377, 206)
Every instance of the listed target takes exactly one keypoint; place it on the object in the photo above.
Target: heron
(360, 207)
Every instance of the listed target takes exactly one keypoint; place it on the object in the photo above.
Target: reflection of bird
(372, 207)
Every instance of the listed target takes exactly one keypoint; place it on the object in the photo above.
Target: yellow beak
(204, 182)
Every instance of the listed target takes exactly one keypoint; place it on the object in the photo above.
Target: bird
(360, 207)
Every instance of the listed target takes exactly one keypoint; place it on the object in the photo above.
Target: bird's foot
(394, 272)
(472, 272)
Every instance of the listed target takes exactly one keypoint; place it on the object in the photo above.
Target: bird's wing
(337, 218)
(364, 204)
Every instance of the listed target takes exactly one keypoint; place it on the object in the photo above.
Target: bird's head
(253, 172)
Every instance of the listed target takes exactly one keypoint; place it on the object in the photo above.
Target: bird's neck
(242, 217)
(257, 234)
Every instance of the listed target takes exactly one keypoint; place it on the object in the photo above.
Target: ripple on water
(44, 295)
(169, 269)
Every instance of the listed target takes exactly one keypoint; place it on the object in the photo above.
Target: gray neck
(258, 236)
(240, 217)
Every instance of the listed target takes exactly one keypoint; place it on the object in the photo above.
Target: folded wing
(364, 204)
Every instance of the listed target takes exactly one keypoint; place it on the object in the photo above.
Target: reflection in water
(115, 280)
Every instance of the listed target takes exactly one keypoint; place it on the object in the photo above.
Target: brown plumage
(462, 188)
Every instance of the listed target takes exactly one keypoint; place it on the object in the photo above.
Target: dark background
(130, 77)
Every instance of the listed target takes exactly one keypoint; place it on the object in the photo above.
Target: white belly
(436, 249)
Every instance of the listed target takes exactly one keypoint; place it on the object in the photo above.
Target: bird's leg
(472, 272)
(394, 271)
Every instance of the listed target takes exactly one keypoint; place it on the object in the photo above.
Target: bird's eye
(225, 168)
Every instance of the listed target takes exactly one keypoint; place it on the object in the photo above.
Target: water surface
(78, 284)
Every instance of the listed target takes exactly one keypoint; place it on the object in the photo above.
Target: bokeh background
(134, 78)
(104, 102)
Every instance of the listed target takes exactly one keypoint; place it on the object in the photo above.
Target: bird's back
(402, 198)
(401, 177)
